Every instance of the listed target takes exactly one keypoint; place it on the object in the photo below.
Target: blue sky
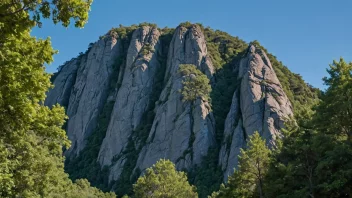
(306, 35)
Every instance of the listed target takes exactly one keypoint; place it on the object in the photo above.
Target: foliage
(311, 164)
(122, 32)
(31, 136)
(18, 16)
(195, 83)
(152, 25)
(162, 180)
(222, 47)
(316, 157)
(334, 168)
(147, 49)
(186, 24)
(334, 112)
(333, 121)
(82, 189)
(125, 31)
(292, 174)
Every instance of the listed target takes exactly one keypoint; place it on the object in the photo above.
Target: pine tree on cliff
(163, 181)
(248, 179)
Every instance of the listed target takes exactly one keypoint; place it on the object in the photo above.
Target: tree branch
(24, 8)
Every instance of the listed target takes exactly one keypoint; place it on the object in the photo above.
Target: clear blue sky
(306, 35)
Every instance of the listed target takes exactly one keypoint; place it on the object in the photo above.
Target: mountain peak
(126, 109)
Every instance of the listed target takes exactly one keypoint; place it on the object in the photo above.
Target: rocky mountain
(126, 110)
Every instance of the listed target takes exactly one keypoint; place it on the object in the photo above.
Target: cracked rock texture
(259, 104)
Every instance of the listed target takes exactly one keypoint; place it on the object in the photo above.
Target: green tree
(82, 189)
(162, 180)
(31, 134)
(316, 157)
(248, 179)
(333, 120)
(292, 172)
(334, 113)
(310, 163)
(195, 84)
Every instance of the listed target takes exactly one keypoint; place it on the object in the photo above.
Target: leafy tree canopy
(163, 181)
(31, 134)
(17, 16)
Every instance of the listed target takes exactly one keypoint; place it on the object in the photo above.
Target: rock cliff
(133, 97)
(63, 82)
(259, 104)
(181, 131)
(87, 92)
(136, 70)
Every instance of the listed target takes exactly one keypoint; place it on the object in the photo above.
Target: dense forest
(312, 157)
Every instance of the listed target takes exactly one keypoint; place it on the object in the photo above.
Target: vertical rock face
(63, 82)
(133, 97)
(90, 91)
(181, 131)
(259, 104)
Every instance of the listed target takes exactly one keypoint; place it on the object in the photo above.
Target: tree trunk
(260, 189)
